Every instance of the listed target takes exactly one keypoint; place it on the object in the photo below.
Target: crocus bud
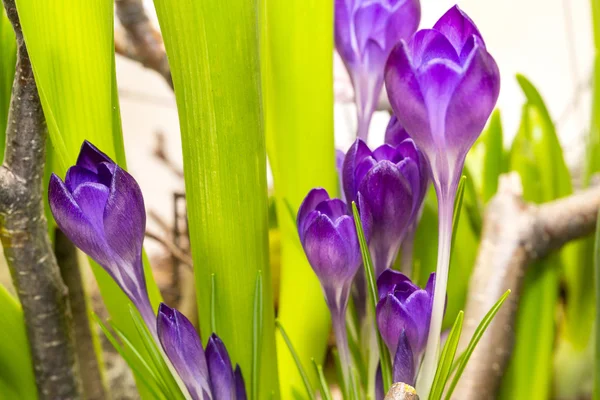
(403, 308)
(392, 182)
(443, 86)
(100, 208)
(182, 345)
(328, 235)
(365, 33)
(395, 132)
(226, 384)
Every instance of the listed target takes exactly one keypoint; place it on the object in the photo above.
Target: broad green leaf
(213, 51)
(8, 53)
(494, 159)
(16, 369)
(479, 331)
(307, 385)
(384, 355)
(297, 79)
(442, 372)
(71, 47)
(257, 328)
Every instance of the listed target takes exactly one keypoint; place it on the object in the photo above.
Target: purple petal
(327, 252)
(89, 157)
(240, 388)
(356, 154)
(406, 98)
(395, 132)
(385, 152)
(125, 217)
(418, 305)
(379, 391)
(430, 284)
(78, 175)
(333, 208)
(369, 24)
(311, 201)
(75, 224)
(91, 198)
(392, 319)
(404, 362)
(388, 280)
(429, 44)
(457, 27)
(402, 23)
(472, 101)
(219, 367)
(182, 344)
(343, 33)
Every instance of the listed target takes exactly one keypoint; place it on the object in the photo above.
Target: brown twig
(514, 235)
(94, 385)
(172, 248)
(141, 41)
(24, 235)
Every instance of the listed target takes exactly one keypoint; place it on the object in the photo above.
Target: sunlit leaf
(442, 372)
(307, 385)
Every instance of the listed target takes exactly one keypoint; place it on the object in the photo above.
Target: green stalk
(297, 71)
(213, 51)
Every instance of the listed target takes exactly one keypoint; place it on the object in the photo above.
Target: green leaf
(297, 79)
(71, 47)
(213, 52)
(446, 358)
(460, 191)
(8, 58)
(597, 288)
(307, 385)
(494, 159)
(257, 328)
(384, 355)
(16, 368)
(464, 358)
(324, 387)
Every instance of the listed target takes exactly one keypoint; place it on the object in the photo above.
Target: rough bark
(94, 387)
(515, 234)
(141, 41)
(24, 236)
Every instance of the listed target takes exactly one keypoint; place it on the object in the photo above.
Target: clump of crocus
(365, 33)
(392, 182)
(443, 86)
(206, 374)
(329, 239)
(100, 208)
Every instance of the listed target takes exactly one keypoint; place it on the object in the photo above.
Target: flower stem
(407, 250)
(341, 339)
(366, 93)
(445, 216)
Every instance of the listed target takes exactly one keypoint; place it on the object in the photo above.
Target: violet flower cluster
(100, 208)
(365, 33)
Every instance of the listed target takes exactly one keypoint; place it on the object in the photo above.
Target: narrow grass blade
(447, 357)
(384, 355)
(213, 304)
(460, 193)
(8, 53)
(307, 385)
(597, 283)
(257, 327)
(483, 325)
(323, 385)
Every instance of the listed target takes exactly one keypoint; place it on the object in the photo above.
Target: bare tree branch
(172, 248)
(94, 385)
(141, 41)
(24, 235)
(514, 235)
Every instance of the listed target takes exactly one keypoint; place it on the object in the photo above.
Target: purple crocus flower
(403, 307)
(365, 33)
(443, 86)
(328, 236)
(100, 208)
(206, 374)
(395, 132)
(392, 182)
